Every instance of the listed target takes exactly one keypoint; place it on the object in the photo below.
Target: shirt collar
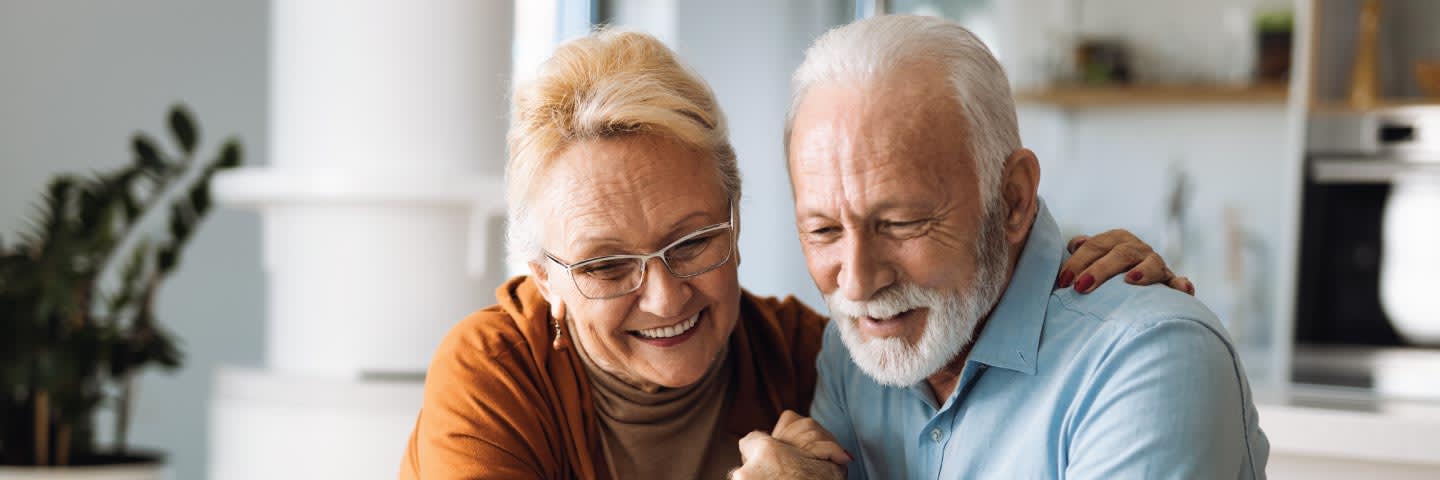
(1011, 337)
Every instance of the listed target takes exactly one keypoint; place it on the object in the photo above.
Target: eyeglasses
(613, 276)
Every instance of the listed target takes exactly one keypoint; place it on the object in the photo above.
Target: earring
(557, 315)
(561, 342)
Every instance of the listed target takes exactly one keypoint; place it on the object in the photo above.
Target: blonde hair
(612, 83)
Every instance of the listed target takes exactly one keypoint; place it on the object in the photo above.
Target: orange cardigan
(501, 402)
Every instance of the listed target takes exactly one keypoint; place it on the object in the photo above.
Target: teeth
(671, 331)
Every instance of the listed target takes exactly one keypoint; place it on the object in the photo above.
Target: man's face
(891, 220)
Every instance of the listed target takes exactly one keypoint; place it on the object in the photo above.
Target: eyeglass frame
(645, 258)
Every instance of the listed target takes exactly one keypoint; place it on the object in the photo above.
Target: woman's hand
(1094, 260)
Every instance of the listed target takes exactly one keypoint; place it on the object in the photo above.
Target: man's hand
(798, 447)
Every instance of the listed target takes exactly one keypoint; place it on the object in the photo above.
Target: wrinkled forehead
(628, 193)
(909, 133)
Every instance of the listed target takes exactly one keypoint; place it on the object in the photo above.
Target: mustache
(891, 301)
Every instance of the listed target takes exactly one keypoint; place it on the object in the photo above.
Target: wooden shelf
(1338, 106)
(1142, 95)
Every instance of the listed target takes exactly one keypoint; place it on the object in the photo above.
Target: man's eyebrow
(813, 214)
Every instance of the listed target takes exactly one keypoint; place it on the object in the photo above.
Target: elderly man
(950, 354)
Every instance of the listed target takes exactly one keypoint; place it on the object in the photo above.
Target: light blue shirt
(1124, 382)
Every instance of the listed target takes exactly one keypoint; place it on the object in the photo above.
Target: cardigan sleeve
(482, 417)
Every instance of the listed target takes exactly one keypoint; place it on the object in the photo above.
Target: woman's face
(636, 195)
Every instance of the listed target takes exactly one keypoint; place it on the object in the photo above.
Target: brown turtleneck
(659, 432)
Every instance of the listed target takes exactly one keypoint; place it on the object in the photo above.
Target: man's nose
(863, 269)
(663, 295)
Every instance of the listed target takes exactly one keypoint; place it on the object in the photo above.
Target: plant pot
(147, 467)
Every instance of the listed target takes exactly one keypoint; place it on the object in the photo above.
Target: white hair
(867, 50)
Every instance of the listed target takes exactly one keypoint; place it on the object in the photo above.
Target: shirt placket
(943, 426)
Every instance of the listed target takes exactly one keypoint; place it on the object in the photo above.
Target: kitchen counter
(1357, 413)
(1399, 441)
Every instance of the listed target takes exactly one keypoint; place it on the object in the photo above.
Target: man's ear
(1019, 191)
(542, 282)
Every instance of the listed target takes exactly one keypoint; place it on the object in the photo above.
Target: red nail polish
(1134, 276)
(1065, 278)
(1190, 288)
(1084, 283)
(1080, 242)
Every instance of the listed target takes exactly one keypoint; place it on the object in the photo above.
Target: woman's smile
(670, 335)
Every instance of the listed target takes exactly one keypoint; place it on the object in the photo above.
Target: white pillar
(387, 147)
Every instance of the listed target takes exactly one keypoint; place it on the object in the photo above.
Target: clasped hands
(797, 448)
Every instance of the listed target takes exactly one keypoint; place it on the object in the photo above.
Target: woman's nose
(663, 294)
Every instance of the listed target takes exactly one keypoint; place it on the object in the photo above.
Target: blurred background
(1285, 154)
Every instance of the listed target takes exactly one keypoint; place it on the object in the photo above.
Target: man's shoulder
(1117, 310)
(1123, 351)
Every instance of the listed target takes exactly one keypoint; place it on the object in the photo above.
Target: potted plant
(77, 305)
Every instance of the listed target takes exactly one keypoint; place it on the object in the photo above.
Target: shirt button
(935, 435)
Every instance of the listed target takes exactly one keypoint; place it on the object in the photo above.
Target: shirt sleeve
(1168, 401)
(829, 408)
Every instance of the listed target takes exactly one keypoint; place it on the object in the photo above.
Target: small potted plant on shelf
(77, 305)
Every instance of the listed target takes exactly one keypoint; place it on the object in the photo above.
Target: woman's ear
(542, 282)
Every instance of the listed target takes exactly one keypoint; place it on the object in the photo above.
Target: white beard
(950, 324)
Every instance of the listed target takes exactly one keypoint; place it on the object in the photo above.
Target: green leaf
(230, 155)
(166, 259)
(147, 156)
(92, 207)
(131, 278)
(50, 221)
(1279, 21)
(182, 222)
(130, 206)
(163, 350)
(183, 127)
(200, 199)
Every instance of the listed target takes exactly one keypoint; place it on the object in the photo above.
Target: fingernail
(1065, 278)
(1189, 287)
(1133, 276)
(1084, 283)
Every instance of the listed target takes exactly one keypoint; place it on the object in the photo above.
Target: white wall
(77, 78)
(747, 50)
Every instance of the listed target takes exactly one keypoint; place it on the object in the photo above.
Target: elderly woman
(630, 351)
